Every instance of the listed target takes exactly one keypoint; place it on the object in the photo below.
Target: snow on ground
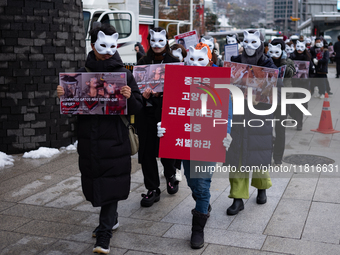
(42, 152)
(5, 160)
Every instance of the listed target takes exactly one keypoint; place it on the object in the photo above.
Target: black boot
(198, 222)
(235, 207)
(209, 207)
(172, 185)
(261, 196)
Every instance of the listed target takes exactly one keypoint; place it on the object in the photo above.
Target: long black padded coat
(254, 144)
(147, 119)
(103, 143)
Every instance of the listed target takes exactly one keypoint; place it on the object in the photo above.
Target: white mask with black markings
(209, 42)
(198, 57)
(274, 51)
(319, 45)
(251, 42)
(300, 46)
(178, 54)
(289, 49)
(157, 39)
(231, 39)
(106, 44)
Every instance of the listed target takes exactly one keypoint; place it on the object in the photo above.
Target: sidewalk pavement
(43, 210)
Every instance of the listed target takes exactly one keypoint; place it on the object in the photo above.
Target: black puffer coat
(149, 116)
(103, 143)
(254, 144)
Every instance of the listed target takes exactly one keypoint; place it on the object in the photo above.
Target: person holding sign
(279, 56)
(103, 142)
(159, 53)
(200, 186)
(251, 146)
(301, 53)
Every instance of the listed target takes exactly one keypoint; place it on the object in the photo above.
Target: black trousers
(280, 136)
(107, 218)
(150, 170)
(295, 112)
(337, 60)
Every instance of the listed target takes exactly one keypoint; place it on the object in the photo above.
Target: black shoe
(102, 244)
(149, 198)
(115, 226)
(235, 207)
(261, 196)
(172, 185)
(277, 162)
(198, 223)
(330, 93)
(337, 76)
(209, 207)
(299, 128)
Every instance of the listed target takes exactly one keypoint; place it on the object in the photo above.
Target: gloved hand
(315, 61)
(160, 130)
(60, 91)
(227, 141)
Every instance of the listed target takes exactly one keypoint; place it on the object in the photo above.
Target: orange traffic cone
(326, 125)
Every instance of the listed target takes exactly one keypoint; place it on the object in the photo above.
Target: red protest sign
(190, 132)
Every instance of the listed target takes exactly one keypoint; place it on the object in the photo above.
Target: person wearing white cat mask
(301, 54)
(233, 39)
(210, 42)
(146, 122)
(104, 163)
(179, 51)
(243, 150)
(200, 185)
(277, 53)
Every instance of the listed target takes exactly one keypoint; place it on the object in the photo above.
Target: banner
(230, 50)
(151, 76)
(187, 39)
(93, 93)
(193, 100)
(302, 69)
(261, 79)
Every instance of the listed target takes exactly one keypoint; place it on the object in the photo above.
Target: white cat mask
(289, 49)
(209, 42)
(157, 39)
(251, 42)
(274, 51)
(231, 39)
(300, 46)
(198, 57)
(106, 44)
(178, 54)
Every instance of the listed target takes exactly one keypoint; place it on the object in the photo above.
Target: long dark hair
(151, 53)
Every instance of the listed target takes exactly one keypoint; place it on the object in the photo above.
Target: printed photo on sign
(302, 69)
(260, 79)
(151, 76)
(93, 93)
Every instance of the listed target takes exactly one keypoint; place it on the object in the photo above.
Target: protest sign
(151, 76)
(193, 99)
(260, 79)
(93, 93)
(302, 69)
(230, 50)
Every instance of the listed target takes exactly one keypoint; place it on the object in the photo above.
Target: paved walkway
(43, 211)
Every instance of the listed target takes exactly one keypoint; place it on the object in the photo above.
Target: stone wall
(38, 40)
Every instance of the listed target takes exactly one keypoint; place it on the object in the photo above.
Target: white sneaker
(322, 96)
(178, 175)
(316, 92)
